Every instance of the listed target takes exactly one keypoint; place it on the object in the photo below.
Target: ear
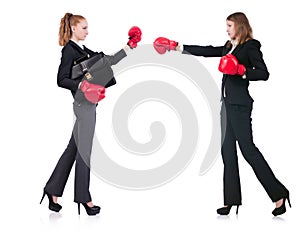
(73, 28)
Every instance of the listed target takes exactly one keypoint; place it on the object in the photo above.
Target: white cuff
(179, 47)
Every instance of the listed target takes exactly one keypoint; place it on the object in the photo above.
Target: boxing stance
(73, 30)
(241, 62)
(96, 92)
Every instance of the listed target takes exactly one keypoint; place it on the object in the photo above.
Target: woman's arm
(117, 57)
(65, 69)
(258, 69)
(162, 44)
(205, 51)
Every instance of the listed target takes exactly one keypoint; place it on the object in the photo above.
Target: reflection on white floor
(180, 205)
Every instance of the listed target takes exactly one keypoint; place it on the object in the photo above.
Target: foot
(280, 207)
(224, 210)
(279, 203)
(53, 205)
(90, 208)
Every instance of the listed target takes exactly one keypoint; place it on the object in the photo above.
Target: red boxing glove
(230, 65)
(135, 36)
(161, 45)
(92, 92)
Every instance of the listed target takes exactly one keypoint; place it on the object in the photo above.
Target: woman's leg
(241, 122)
(84, 133)
(57, 181)
(231, 179)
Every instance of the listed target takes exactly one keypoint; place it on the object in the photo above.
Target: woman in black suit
(73, 29)
(241, 62)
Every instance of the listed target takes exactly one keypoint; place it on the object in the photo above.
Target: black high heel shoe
(282, 209)
(91, 211)
(226, 210)
(52, 206)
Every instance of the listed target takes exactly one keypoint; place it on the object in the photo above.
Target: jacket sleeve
(205, 51)
(258, 69)
(64, 71)
(117, 57)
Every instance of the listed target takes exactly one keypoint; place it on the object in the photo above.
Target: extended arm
(162, 45)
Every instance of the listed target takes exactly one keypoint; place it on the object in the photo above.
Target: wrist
(126, 48)
(178, 47)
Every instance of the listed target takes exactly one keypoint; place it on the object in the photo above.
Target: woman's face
(80, 31)
(230, 29)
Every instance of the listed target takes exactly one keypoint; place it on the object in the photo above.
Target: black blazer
(248, 54)
(72, 52)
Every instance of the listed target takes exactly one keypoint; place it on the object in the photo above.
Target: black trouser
(236, 126)
(79, 149)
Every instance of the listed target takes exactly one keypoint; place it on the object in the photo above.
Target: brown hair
(66, 22)
(242, 26)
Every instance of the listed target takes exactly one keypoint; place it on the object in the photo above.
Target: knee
(251, 153)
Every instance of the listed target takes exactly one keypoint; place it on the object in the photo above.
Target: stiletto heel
(91, 211)
(52, 206)
(226, 210)
(43, 197)
(288, 199)
(282, 209)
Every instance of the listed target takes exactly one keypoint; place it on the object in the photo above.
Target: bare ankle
(54, 199)
(90, 204)
(279, 203)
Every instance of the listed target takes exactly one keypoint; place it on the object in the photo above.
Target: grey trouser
(79, 150)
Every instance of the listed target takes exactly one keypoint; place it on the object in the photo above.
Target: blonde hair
(66, 22)
(242, 26)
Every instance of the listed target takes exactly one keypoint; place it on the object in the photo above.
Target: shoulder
(253, 43)
(72, 50)
(67, 49)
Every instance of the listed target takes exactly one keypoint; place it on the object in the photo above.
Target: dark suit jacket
(248, 54)
(72, 52)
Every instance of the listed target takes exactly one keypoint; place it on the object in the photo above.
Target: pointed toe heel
(226, 210)
(91, 211)
(282, 209)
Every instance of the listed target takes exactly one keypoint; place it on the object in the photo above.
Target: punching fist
(135, 36)
(161, 45)
(92, 92)
(230, 65)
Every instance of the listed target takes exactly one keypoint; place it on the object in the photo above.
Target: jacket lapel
(237, 49)
(74, 45)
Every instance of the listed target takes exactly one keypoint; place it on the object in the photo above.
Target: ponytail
(65, 32)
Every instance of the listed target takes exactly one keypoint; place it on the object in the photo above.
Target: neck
(234, 42)
(75, 39)
(77, 42)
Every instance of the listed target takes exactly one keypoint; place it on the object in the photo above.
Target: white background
(36, 115)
